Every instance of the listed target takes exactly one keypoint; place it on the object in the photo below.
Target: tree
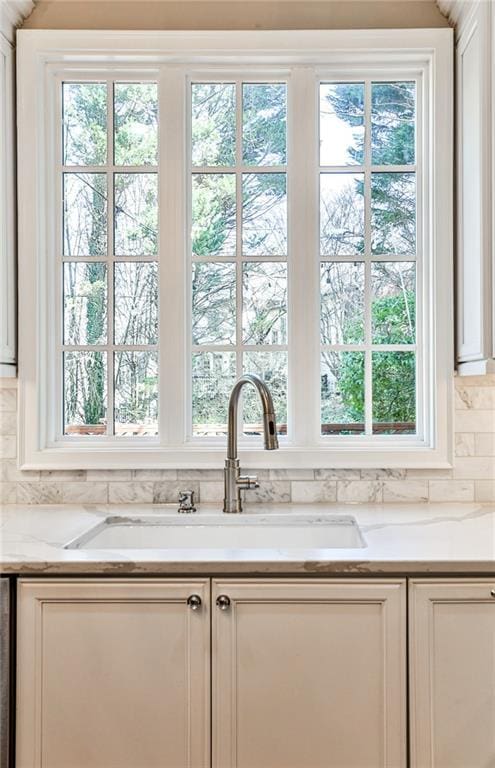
(393, 204)
(85, 235)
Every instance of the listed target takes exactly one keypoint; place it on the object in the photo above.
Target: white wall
(234, 14)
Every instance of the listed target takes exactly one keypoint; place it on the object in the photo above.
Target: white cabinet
(475, 183)
(113, 674)
(7, 212)
(12, 14)
(452, 657)
(309, 674)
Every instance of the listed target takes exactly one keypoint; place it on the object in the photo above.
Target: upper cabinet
(12, 13)
(475, 173)
(7, 211)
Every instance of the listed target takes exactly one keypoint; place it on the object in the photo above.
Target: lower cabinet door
(309, 673)
(113, 673)
(452, 641)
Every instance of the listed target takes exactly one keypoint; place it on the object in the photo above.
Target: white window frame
(173, 57)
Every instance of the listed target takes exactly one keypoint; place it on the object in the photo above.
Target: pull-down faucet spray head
(270, 431)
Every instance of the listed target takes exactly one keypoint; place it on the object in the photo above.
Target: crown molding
(457, 11)
(12, 14)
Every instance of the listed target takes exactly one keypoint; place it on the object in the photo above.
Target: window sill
(146, 456)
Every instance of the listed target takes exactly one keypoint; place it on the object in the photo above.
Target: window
(286, 213)
(109, 255)
(368, 252)
(239, 248)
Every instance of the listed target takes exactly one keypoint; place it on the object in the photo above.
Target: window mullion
(110, 266)
(303, 266)
(368, 375)
(173, 259)
(239, 215)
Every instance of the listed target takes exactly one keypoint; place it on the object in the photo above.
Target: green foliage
(348, 374)
(394, 387)
(136, 120)
(393, 373)
(85, 123)
(392, 117)
(95, 289)
(213, 126)
(213, 213)
(93, 402)
(264, 110)
(393, 220)
(393, 318)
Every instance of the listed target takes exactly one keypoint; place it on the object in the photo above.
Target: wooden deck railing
(209, 430)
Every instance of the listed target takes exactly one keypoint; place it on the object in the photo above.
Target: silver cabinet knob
(223, 602)
(194, 602)
(492, 593)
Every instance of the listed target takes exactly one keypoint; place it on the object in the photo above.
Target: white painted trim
(44, 53)
(476, 367)
(7, 371)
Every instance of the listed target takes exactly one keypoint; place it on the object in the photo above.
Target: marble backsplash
(471, 479)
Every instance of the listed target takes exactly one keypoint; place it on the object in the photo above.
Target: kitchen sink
(225, 532)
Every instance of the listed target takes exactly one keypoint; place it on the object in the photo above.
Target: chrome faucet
(233, 480)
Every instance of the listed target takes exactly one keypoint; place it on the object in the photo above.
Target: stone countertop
(457, 539)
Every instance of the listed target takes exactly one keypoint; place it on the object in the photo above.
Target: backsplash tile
(314, 491)
(471, 479)
(359, 491)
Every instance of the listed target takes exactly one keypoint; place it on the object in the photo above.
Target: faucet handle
(186, 501)
(247, 482)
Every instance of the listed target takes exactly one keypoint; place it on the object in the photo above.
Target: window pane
(136, 303)
(264, 301)
(84, 123)
(85, 393)
(85, 214)
(272, 367)
(264, 115)
(264, 214)
(341, 214)
(213, 123)
(136, 393)
(213, 376)
(392, 123)
(214, 309)
(136, 214)
(342, 393)
(213, 214)
(341, 123)
(135, 123)
(393, 213)
(85, 303)
(394, 392)
(342, 303)
(393, 309)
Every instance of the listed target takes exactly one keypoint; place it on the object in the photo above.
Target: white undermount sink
(225, 532)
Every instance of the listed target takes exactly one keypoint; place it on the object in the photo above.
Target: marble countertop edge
(401, 539)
